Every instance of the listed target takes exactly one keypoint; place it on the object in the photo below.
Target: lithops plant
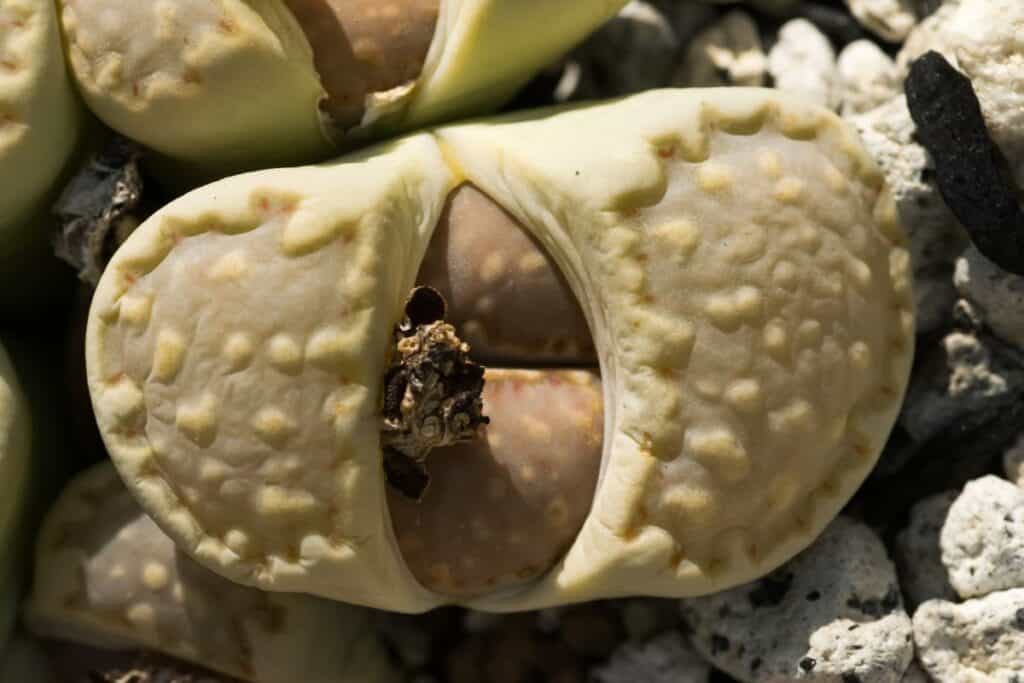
(241, 84)
(739, 265)
(15, 444)
(107, 576)
(40, 121)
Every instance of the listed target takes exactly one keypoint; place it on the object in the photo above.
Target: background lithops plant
(15, 446)
(106, 575)
(735, 255)
(241, 84)
(40, 120)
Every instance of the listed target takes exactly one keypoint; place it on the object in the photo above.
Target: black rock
(970, 171)
(964, 406)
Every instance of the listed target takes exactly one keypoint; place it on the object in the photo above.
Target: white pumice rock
(867, 77)
(997, 295)
(729, 52)
(936, 237)
(803, 62)
(918, 555)
(983, 538)
(667, 658)
(985, 40)
(1013, 461)
(892, 20)
(929, 34)
(978, 641)
(834, 611)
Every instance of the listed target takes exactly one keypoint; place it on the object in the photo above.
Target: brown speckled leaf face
(506, 296)
(503, 509)
(365, 46)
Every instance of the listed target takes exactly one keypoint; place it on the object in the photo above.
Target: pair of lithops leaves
(233, 85)
(694, 308)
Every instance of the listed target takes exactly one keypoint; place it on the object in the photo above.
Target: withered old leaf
(432, 393)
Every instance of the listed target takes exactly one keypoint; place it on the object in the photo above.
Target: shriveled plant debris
(100, 206)
(150, 668)
(970, 171)
(432, 393)
(147, 675)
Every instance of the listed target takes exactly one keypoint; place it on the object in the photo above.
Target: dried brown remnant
(99, 208)
(432, 393)
(148, 675)
(79, 663)
(361, 47)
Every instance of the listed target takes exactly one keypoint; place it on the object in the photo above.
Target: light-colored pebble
(1013, 461)
(803, 62)
(983, 538)
(867, 77)
(918, 555)
(729, 52)
(988, 36)
(834, 610)
(928, 34)
(936, 237)
(979, 641)
(892, 20)
(998, 296)
(668, 658)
